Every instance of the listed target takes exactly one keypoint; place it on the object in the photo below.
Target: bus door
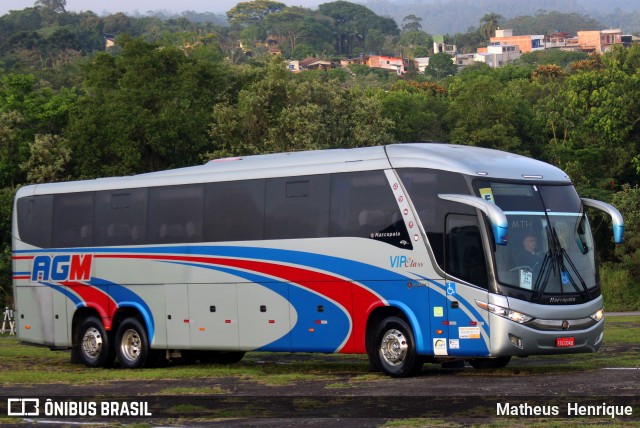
(465, 260)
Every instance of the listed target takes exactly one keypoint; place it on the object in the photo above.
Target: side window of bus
(175, 214)
(73, 217)
(363, 205)
(423, 186)
(234, 211)
(297, 207)
(121, 217)
(34, 220)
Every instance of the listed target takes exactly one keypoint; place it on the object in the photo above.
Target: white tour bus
(399, 252)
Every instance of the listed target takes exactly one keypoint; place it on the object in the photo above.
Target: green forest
(181, 91)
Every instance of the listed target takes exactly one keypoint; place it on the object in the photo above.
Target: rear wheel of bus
(132, 345)
(93, 346)
(395, 351)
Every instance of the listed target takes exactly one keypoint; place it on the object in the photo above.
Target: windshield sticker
(487, 194)
(438, 311)
(469, 332)
(454, 344)
(526, 279)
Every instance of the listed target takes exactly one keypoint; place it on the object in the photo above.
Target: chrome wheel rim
(394, 347)
(131, 345)
(92, 343)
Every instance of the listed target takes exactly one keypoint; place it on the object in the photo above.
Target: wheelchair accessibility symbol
(451, 288)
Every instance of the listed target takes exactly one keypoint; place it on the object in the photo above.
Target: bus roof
(473, 161)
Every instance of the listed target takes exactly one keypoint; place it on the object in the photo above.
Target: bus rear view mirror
(616, 217)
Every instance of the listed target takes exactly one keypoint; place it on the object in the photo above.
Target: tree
(352, 22)
(489, 23)
(143, 109)
(51, 9)
(253, 12)
(440, 65)
(55, 6)
(417, 111)
(411, 23)
(485, 112)
(49, 156)
(281, 112)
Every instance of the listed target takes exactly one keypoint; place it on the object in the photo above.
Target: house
(463, 60)
(558, 39)
(109, 41)
(399, 65)
(440, 46)
(599, 41)
(498, 55)
(525, 44)
(309, 64)
(421, 63)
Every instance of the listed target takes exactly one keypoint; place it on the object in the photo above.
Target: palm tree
(489, 24)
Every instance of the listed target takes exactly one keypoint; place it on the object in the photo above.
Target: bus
(409, 253)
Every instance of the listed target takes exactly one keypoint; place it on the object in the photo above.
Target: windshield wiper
(554, 261)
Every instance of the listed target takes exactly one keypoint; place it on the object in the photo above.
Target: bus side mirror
(616, 217)
(496, 216)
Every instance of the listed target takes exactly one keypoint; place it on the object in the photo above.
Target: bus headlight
(515, 316)
(597, 316)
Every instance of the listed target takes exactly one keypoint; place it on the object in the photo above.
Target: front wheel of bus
(395, 350)
(93, 347)
(132, 346)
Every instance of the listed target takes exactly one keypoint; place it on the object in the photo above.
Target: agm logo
(75, 267)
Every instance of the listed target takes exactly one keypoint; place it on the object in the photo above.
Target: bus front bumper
(511, 338)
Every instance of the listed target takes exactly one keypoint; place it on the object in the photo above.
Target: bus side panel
(324, 317)
(34, 314)
(177, 319)
(213, 313)
(264, 317)
(61, 334)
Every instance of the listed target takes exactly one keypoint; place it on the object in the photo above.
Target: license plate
(564, 342)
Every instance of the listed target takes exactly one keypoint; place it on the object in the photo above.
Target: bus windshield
(550, 252)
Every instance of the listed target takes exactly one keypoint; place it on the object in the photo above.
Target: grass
(620, 290)
(21, 364)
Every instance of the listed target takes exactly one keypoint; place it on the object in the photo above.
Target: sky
(142, 6)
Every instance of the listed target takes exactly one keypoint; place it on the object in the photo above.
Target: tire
(132, 345)
(93, 346)
(489, 363)
(395, 352)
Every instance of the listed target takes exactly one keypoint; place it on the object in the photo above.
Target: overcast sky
(142, 6)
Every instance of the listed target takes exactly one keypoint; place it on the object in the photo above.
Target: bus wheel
(489, 363)
(395, 350)
(93, 347)
(132, 346)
